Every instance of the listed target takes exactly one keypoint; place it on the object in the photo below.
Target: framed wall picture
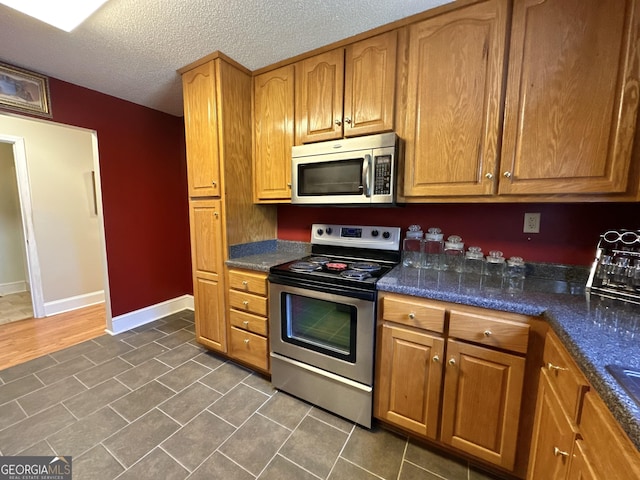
(24, 91)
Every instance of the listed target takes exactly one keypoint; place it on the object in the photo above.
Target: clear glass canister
(412, 248)
(515, 274)
(453, 256)
(494, 268)
(433, 247)
(474, 261)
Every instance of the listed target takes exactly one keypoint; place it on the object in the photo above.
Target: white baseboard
(130, 320)
(73, 303)
(13, 287)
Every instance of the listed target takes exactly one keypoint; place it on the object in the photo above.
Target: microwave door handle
(365, 173)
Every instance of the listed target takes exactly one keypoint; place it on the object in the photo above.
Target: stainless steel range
(323, 316)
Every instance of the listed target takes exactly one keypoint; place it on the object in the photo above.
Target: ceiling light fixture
(63, 14)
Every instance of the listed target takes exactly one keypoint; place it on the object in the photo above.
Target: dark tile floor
(152, 403)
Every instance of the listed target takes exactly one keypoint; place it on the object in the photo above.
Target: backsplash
(568, 232)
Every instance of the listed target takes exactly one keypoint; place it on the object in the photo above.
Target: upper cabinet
(273, 94)
(347, 91)
(454, 78)
(572, 97)
(201, 130)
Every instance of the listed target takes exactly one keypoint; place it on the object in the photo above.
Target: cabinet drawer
(249, 348)
(413, 313)
(490, 331)
(564, 375)
(248, 282)
(247, 302)
(247, 321)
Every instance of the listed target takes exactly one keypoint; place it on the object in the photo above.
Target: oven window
(340, 177)
(320, 325)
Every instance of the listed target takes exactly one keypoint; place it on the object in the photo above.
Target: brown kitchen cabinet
(451, 119)
(248, 318)
(572, 97)
(205, 219)
(460, 376)
(218, 126)
(347, 91)
(273, 133)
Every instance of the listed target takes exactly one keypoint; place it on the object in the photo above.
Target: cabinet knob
(246, 323)
(246, 341)
(213, 182)
(216, 214)
(489, 175)
(412, 315)
(487, 333)
(245, 284)
(289, 184)
(436, 358)
(347, 120)
(452, 361)
(506, 174)
(552, 367)
(245, 303)
(560, 453)
(338, 122)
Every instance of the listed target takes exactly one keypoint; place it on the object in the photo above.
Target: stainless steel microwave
(360, 170)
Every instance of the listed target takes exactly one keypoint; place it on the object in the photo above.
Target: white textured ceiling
(131, 49)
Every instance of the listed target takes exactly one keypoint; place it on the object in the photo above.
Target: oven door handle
(339, 290)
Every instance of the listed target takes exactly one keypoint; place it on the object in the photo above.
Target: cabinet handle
(436, 358)
(506, 174)
(213, 182)
(489, 175)
(412, 315)
(245, 284)
(452, 361)
(552, 367)
(216, 214)
(246, 341)
(245, 303)
(487, 333)
(289, 185)
(347, 120)
(338, 122)
(246, 323)
(560, 453)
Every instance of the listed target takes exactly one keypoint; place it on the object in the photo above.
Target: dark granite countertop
(261, 256)
(597, 332)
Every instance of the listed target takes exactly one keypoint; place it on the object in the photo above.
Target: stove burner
(304, 267)
(319, 260)
(355, 274)
(336, 266)
(366, 266)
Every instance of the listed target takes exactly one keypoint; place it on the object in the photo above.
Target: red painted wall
(568, 232)
(144, 194)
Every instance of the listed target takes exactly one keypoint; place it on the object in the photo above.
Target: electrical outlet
(531, 223)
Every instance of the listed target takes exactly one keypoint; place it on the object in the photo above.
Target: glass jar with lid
(515, 274)
(412, 248)
(474, 261)
(433, 247)
(453, 256)
(493, 271)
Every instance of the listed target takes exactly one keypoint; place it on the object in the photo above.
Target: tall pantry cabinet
(217, 113)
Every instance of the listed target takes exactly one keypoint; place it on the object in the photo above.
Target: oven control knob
(375, 233)
(386, 235)
(329, 230)
(320, 232)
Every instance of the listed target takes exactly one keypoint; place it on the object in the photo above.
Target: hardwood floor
(31, 338)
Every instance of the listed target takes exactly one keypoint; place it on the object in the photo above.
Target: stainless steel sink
(629, 379)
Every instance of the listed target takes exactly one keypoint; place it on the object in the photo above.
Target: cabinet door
(209, 314)
(370, 79)
(201, 131)
(273, 134)
(572, 97)
(206, 238)
(553, 436)
(481, 405)
(409, 379)
(580, 468)
(319, 84)
(454, 97)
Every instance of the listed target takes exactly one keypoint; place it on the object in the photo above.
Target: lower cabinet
(459, 376)
(248, 321)
(210, 324)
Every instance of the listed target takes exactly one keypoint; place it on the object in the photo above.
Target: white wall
(66, 229)
(13, 276)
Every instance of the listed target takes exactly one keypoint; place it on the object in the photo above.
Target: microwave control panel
(382, 175)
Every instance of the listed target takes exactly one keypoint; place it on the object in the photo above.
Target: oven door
(327, 330)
